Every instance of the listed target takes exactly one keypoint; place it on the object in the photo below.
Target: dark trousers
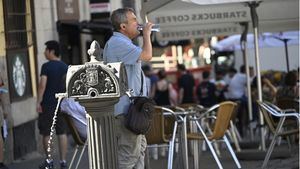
(241, 114)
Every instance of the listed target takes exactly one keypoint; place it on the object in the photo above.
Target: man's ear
(122, 26)
(52, 51)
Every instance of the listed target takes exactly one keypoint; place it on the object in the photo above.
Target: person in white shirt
(236, 87)
(236, 92)
(78, 114)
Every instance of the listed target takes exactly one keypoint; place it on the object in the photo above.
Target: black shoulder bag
(139, 116)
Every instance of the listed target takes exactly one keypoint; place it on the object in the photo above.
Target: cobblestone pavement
(206, 161)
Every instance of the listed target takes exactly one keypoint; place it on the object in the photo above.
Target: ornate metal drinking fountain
(98, 86)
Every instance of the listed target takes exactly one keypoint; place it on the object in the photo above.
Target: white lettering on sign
(19, 76)
(195, 33)
(200, 17)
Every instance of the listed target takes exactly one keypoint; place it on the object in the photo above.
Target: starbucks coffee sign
(19, 76)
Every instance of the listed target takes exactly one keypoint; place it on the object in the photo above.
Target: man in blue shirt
(51, 82)
(120, 48)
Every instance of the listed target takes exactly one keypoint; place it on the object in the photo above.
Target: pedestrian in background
(119, 48)
(186, 85)
(163, 89)
(3, 115)
(206, 91)
(50, 83)
(236, 92)
(148, 71)
(220, 85)
(147, 80)
(290, 89)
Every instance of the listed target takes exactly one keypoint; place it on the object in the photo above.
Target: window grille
(16, 19)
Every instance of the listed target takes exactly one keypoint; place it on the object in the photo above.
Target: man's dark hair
(119, 16)
(181, 67)
(53, 45)
(254, 82)
(161, 74)
(232, 70)
(205, 74)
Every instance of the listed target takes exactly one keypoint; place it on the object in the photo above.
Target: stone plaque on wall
(67, 9)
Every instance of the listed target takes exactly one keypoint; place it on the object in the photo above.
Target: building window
(15, 24)
(18, 40)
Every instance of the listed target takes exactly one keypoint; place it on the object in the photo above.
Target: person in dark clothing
(50, 83)
(268, 94)
(162, 90)
(206, 91)
(186, 85)
(290, 89)
(220, 85)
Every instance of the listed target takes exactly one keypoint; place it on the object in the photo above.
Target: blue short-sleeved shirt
(55, 71)
(120, 48)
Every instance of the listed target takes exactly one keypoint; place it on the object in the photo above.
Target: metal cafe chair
(200, 110)
(192, 127)
(289, 104)
(269, 110)
(232, 131)
(192, 107)
(80, 144)
(163, 130)
(221, 124)
(184, 112)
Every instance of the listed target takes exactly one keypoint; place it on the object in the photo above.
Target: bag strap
(141, 90)
(142, 83)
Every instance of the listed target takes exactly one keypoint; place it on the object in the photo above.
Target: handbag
(139, 116)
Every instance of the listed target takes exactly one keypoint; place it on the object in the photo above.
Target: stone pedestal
(101, 134)
(98, 87)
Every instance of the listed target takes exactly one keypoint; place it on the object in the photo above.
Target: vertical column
(98, 88)
(101, 135)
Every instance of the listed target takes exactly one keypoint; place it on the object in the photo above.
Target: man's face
(131, 26)
(47, 53)
(231, 74)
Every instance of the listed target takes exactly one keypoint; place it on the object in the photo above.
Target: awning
(183, 19)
